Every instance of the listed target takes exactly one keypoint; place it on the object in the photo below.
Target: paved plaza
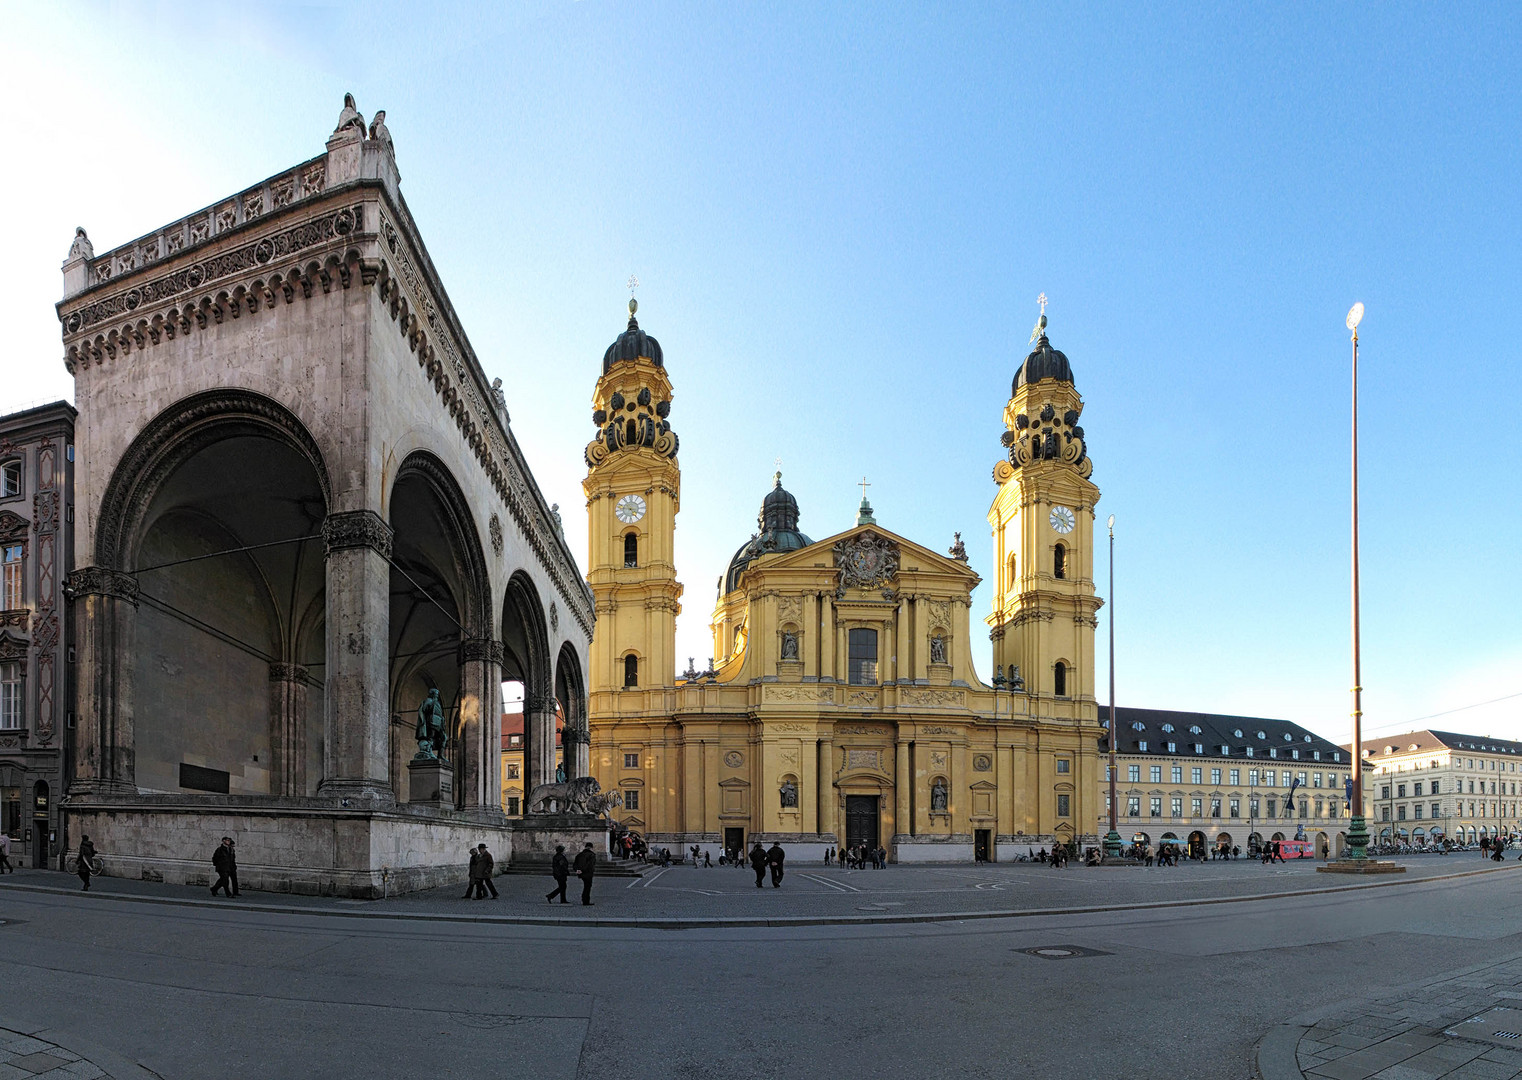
(138, 979)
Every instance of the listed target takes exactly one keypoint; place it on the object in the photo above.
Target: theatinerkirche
(841, 705)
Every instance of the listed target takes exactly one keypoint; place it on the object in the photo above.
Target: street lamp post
(1358, 829)
(1112, 839)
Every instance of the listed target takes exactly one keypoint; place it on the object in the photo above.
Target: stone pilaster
(903, 808)
(480, 732)
(356, 724)
(288, 729)
(105, 615)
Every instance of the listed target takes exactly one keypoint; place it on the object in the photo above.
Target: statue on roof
(378, 129)
(349, 118)
(81, 248)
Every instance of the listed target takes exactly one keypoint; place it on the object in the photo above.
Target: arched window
(631, 550)
(631, 670)
(10, 479)
(1060, 562)
(1060, 676)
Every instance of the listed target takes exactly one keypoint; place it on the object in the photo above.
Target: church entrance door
(861, 820)
(734, 840)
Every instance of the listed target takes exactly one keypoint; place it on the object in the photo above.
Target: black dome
(778, 524)
(629, 345)
(1044, 362)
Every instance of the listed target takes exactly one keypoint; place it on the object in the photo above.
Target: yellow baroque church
(841, 705)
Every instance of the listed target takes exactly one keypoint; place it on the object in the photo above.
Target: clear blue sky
(841, 217)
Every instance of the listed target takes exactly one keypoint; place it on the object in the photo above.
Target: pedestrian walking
(774, 859)
(486, 864)
(707, 859)
(586, 866)
(5, 854)
(86, 859)
(758, 863)
(560, 869)
(472, 886)
(224, 861)
(882, 857)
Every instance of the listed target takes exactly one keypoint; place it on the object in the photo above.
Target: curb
(1275, 1057)
(108, 1061)
(717, 922)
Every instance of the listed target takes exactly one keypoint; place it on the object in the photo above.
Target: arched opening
(216, 510)
(1060, 561)
(526, 660)
(1060, 679)
(631, 550)
(1196, 844)
(631, 671)
(438, 588)
(571, 693)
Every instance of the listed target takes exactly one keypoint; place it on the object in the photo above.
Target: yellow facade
(842, 705)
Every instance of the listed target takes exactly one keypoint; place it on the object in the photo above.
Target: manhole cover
(1501, 1026)
(1061, 952)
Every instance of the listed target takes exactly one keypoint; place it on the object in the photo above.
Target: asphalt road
(1173, 992)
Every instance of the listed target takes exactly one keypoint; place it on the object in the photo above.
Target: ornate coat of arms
(866, 561)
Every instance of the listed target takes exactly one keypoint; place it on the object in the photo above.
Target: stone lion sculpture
(584, 795)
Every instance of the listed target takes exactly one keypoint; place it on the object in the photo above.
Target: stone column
(356, 723)
(902, 822)
(480, 733)
(539, 741)
(105, 615)
(288, 729)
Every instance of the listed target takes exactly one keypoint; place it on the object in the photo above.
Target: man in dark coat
(774, 858)
(586, 866)
(485, 866)
(86, 858)
(473, 886)
(758, 862)
(225, 862)
(560, 867)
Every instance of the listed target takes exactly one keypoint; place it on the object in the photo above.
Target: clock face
(630, 509)
(1062, 519)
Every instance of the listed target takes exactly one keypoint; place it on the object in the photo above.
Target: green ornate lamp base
(1112, 844)
(1358, 839)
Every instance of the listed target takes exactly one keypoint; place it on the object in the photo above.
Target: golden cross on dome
(633, 284)
(1041, 322)
(864, 485)
(1040, 300)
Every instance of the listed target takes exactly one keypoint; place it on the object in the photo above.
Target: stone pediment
(909, 554)
(13, 526)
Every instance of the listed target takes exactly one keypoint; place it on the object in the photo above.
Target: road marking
(838, 886)
(644, 882)
(989, 885)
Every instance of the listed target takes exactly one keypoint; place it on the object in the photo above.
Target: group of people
(560, 868)
(481, 866)
(857, 856)
(764, 859)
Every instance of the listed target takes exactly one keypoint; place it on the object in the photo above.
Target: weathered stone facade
(301, 509)
(36, 677)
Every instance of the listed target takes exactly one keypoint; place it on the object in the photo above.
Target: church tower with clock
(1044, 607)
(633, 490)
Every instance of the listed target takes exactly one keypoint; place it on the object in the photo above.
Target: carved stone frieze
(216, 268)
(933, 729)
(17, 618)
(481, 650)
(808, 694)
(494, 530)
(355, 529)
(280, 672)
(100, 581)
(943, 699)
(861, 729)
(13, 526)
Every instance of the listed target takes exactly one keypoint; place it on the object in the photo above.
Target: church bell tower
(1044, 606)
(633, 490)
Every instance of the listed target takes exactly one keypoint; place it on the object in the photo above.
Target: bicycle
(71, 865)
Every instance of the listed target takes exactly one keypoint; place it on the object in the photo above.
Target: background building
(36, 632)
(1441, 783)
(841, 705)
(1203, 781)
(513, 791)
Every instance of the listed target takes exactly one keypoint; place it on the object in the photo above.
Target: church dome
(777, 525)
(1044, 362)
(631, 344)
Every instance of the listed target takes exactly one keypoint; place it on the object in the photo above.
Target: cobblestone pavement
(812, 891)
(1464, 1025)
(24, 1057)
